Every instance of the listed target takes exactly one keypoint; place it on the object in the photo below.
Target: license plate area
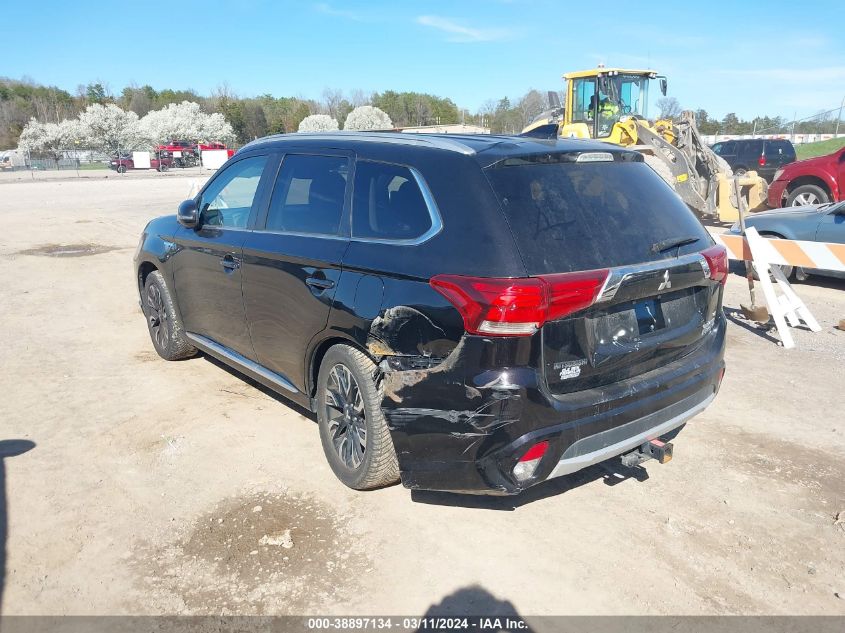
(649, 316)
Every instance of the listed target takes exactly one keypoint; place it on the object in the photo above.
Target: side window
(387, 203)
(729, 148)
(754, 149)
(717, 148)
(309, 194)
(228, 199)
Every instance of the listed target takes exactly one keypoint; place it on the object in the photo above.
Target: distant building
(452, 128)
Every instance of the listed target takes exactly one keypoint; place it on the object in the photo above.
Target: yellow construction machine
(611, 104)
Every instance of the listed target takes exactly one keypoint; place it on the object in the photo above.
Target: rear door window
(309, 195)
(387, 203)
(751, 150)
(580, 216)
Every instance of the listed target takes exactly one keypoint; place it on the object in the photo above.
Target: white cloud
(327, 9)
(461, 33)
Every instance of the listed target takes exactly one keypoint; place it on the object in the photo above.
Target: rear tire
(660, 168)
(166, 330)
(807, 194)
(353, 431)
(121, 169)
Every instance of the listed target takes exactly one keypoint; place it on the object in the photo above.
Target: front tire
(807, 194)
(353, 431)
(121, 169)
(166, 330)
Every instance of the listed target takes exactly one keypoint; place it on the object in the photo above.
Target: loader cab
(599, 98)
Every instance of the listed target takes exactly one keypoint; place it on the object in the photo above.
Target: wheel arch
(144, 270)
(809, 180)
(318, 352)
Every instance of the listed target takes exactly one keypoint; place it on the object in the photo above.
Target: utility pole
(839, 118)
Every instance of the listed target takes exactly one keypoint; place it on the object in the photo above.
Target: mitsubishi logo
(666, 283)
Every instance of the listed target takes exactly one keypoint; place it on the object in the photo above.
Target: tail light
(762, 161)
(528, 463)
(518, 307)
(717, 260)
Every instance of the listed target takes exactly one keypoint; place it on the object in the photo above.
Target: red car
(125, 162)
(811, 181)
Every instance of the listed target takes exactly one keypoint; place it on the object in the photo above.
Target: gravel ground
(155, 487)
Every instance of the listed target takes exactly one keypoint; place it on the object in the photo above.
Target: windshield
(601, 102)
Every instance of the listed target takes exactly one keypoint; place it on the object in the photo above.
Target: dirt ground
(157, 487)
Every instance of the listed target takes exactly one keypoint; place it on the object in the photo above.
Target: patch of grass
(90, 166)
(810, 150)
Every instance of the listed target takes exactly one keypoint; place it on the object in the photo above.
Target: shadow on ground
(477, 603)
(8, 448)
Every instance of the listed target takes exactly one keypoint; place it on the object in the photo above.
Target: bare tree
(669, 108)
(331, 101)
(531, 104)
(360, 97)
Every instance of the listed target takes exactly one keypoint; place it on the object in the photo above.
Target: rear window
(779, 147)
(579, 216)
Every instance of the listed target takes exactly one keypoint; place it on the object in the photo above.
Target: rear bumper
(775, 194)
(463, 425)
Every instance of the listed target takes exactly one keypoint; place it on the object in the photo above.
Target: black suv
(765, 156)
(468, 313)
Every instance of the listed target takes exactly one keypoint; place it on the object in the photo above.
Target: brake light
(717, 260)
(518, 307)
(762, 161)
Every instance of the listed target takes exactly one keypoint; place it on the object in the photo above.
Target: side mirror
(188, 214)
(663, 85)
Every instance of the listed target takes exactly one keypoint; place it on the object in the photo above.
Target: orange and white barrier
(768, 255)
(824, 255)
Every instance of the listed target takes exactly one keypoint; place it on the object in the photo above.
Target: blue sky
(752, 58)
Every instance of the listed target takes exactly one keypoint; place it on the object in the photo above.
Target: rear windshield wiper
(673, 242)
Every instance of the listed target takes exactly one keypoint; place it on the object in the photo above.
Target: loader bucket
(752, 188)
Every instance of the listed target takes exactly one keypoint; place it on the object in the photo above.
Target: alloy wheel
(157, 316)
(346, 416)
(805, 199)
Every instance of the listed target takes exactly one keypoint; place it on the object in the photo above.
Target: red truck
(187, 153)
(810, 181)
(205, 146)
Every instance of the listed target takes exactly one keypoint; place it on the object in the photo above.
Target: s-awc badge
(571, 369)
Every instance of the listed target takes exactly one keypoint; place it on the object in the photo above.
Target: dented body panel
(462, 425)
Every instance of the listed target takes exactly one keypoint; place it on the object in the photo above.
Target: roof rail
(381, 137)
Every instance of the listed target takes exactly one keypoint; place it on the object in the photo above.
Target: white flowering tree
(185, 121)
(52, 138)
(110, 129)
(368, 118)
(318, 123)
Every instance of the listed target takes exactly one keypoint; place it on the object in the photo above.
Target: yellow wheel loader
(611, 104)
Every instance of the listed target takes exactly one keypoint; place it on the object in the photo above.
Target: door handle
(230, 263)
(318, 283)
